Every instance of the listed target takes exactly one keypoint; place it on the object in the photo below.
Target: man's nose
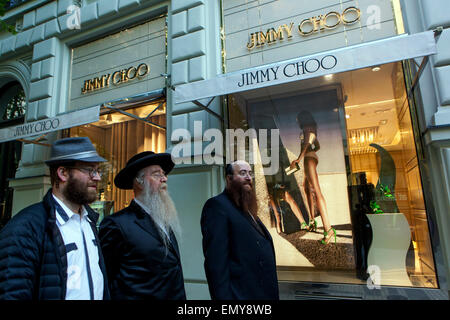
(96, 177)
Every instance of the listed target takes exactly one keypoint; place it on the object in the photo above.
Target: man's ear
(138, 184)
(63, 174)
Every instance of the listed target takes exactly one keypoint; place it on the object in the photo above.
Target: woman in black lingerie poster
(309, 146)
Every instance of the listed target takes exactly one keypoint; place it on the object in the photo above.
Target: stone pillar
(194, 54)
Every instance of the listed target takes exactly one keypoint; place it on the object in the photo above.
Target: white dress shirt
(72, 227)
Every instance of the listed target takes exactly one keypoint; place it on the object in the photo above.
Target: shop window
(353, 205)
(12, 102)
(119, 136)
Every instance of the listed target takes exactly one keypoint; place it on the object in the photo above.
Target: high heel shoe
(312, 225)
(327, 235)
(304, 226)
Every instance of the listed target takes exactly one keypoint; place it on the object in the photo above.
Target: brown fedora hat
(124, 179)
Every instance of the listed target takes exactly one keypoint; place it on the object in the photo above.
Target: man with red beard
(139, 243)
(238, 249)
(50, 250)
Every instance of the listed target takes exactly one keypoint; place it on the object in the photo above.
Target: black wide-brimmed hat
(73, 149)
(124, 179)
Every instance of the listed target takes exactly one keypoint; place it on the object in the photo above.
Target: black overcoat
(239, 258)
(137, 262)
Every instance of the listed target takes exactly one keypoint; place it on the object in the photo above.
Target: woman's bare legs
(294, 207)
(277, 216)
(309, 197)
(313, 179)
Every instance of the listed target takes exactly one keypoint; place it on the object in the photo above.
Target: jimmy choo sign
(315, 24)
(115, 78)
(348, 58)
(43, 126)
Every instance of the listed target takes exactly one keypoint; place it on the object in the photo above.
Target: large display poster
(305, 204)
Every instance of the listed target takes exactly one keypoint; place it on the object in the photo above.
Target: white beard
(162, 210)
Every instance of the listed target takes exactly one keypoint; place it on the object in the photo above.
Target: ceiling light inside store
(363, 137)
(375, 69)
(328, 77)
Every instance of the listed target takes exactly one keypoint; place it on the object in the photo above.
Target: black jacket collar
(146, 222)
(257, 223)
(50, 208)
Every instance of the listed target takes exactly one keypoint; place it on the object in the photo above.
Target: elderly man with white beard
(139, 242)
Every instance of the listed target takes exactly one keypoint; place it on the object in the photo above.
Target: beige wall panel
(190, 188)
(248, 17)
(145, 43)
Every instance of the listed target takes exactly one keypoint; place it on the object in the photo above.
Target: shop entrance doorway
(122, 131)
(12, 112)
(10, 153)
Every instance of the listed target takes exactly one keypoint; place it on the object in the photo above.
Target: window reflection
(12, 101)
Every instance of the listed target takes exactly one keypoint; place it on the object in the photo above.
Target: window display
(346, 204)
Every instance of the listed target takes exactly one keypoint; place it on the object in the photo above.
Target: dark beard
(244, 198)
(78, 193)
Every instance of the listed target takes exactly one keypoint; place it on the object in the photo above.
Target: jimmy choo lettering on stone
(116, 78)
(306, 27)
(260, 38)
(329, 21)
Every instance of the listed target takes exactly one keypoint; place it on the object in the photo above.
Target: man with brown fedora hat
(50, 250)
(139, 242)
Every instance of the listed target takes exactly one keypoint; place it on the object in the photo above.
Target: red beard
(244, 196)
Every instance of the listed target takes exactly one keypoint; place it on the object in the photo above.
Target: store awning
(44, 126)
(79, 117)
(359, 56)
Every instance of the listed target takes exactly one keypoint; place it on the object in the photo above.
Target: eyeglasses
(244, 173)
(158, 175)
(92, 172)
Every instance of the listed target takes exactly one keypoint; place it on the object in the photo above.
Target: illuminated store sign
(116, 78)
(319, 23)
